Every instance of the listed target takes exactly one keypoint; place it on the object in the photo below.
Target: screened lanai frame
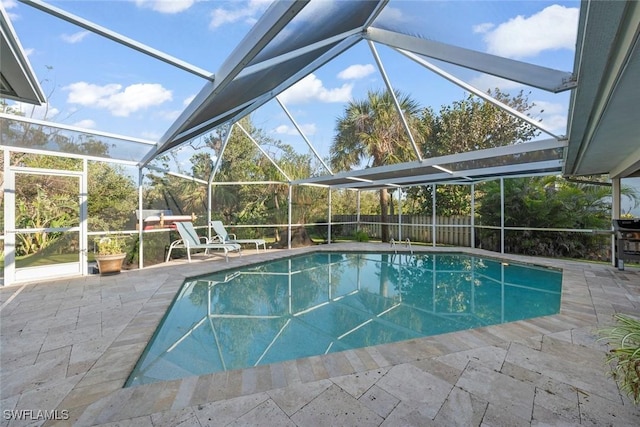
(273, 63)
(409, 174)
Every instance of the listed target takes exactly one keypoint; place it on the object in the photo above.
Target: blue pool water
(326, 302)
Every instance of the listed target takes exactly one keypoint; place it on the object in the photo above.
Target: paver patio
(69, 345)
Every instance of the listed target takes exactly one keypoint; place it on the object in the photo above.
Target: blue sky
(95, 83)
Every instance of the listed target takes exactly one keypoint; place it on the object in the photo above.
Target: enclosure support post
(84, 215)
(358, 211)
(501, 215)
(9, 221)
(216, 166)
(433, 215)
(400, 214)
(615, 214)
(473, 216)
(140, 222)
(289, 215)
(330, 219)
(209, 203)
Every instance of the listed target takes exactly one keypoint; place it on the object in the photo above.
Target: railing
(448, 230)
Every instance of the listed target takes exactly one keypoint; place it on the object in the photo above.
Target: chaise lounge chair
(224, 237)
(190, 240)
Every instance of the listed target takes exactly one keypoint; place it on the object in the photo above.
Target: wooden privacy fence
(450, 230)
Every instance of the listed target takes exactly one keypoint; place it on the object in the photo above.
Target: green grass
(36, 260)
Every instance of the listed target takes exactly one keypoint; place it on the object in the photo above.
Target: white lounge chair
(223, 237)
(190, 240)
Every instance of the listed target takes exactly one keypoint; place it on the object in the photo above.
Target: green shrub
(360, 236)
(624, 355)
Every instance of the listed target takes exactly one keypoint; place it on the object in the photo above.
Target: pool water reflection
(325, 302)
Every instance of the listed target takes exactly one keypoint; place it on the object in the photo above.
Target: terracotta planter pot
(110, 264)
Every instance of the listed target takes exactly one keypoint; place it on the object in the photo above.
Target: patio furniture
(191, 240)
(224, 237)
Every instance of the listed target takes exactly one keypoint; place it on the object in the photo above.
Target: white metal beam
(270, 24)
(392, 93)
(118, 38)
(362, 175)
(219, 155)
(273, 162)
(16, 69)
(74, 128)
(302, 134)
(278, 15)
(478, 92)
(264, 65)
(467, 176)
(69, 155)
(320, 61)
(529, 74)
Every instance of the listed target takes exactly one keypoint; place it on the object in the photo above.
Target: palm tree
(371, 133)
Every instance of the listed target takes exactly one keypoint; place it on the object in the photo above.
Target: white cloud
(40, 112)
(151, 136)
(75, 37)
(188, 100)
(484, 82)
(10, 4)
(170, 115)
(554, 116)
(392, 15)
(552, 28)
(166, 6)
(86, 123)
(311, 88)
(483, 28)
(247, 13)
(29, 51)
(356, 71)
(116, 100)
(307, 129)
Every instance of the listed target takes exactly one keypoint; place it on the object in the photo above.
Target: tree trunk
(384, 213)
(299, 238)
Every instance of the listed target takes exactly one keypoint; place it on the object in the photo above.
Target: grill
(627, 240)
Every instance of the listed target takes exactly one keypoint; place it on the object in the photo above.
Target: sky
(95, 83)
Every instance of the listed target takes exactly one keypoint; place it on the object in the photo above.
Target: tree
(112, 197)
(472, 124)
(371, 132)
(468, 125)
(548, 202)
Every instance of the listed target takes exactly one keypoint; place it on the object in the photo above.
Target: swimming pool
(325, 302)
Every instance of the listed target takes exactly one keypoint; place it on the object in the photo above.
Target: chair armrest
(232, 236)
(216, 239)
(176, 243)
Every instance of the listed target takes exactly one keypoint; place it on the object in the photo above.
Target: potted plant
(110, 254)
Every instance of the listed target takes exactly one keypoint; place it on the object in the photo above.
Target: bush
(624, 354)
(360, 236)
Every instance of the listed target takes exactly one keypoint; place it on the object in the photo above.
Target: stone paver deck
(69, 345)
